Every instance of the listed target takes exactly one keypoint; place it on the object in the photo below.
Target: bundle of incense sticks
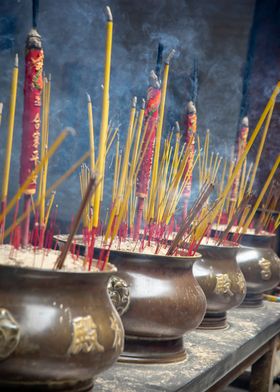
(250, 210)
(270, 208)
(186, 226)
(208, 164)
(244, 180)
(169, 187)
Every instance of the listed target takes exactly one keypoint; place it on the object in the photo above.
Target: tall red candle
(150, 125)
(31, 121)
(190, 127)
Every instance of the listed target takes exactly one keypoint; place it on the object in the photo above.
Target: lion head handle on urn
(9, 334)
(119, 293)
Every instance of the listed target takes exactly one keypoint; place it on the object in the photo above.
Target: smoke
(73, 34)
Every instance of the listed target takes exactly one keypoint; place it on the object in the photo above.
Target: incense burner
(165, 302)
(58, 330)
(261, 269)
(221, 280)
(262, 240)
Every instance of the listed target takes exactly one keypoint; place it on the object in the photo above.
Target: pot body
(221, 280)
(165, 298)
(165, 302)
(261, 269)
(58, 329)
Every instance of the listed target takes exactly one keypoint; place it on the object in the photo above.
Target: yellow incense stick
(45, 137)
(1, 110)
(261, 195)
(92, 160)
(105, 116)
(49, 209)
(260, 149)
(7, 163)
(116, 176)
(241, 190)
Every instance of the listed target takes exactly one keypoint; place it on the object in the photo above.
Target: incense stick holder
(267, 240)
(261, 269)
(264, 240)
(222, 282)
(165, 302)
(58, 329)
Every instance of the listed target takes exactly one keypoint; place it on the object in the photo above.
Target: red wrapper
(150, 124)
(31, 121)
(191, 120)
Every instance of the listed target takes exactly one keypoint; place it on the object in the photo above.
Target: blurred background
(232, 48)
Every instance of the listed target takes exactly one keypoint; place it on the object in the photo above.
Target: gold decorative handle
(119, 293)
(9, 334)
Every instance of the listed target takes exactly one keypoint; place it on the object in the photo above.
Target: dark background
(235, 44)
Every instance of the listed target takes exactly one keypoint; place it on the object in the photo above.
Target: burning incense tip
(50, 77)
(177, 126)
(33, 40)
(245, 122)
(1, 107)
(169, 57)
(16, 60)
(143, 103)
(134, 102)
(191, 107)
(109, 14)
(70, 131)
(88, 97)
(154, 80)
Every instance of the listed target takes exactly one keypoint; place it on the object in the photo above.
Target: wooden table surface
(211, 355)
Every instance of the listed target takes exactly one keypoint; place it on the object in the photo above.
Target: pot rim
(47, 271)
(216, 246)
(257, 248)
(197, 255)
(264, 234)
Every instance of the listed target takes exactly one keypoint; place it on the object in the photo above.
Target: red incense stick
(150, 124)
(191, 126)
(31, 121)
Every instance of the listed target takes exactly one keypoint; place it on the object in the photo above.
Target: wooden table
(215, 358)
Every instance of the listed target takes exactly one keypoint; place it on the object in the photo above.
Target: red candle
(150, 125)
(31, 121)
(190, 126)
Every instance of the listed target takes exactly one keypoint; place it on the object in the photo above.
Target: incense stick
(105, 115)
(203, 196)
(90, 189)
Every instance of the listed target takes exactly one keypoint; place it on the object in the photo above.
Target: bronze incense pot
(262, 240)
(222, 281)
(261, 269)
(165, 302)
(58, 329)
